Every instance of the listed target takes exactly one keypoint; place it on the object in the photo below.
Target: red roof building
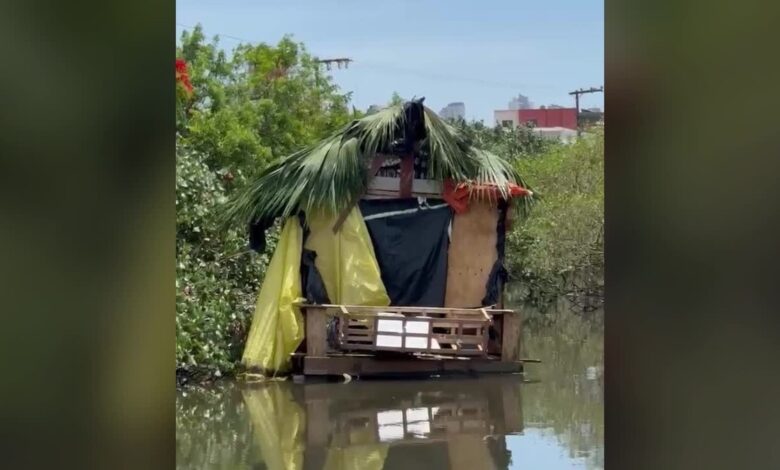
(542, 117)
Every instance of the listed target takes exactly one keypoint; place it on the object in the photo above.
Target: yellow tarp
(357, 457)
(278, 425)
(279, 428)
(346, 260)
(347, 264)
(277, 326)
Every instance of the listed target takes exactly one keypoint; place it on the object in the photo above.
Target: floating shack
(390, 256)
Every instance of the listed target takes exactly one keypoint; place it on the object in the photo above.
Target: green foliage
(261, 103)
(216, 276)
(559, 248)
(213, 425)
(396, 99)
(249, 107)
(509, 142)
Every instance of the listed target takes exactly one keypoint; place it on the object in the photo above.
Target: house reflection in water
(372, 425)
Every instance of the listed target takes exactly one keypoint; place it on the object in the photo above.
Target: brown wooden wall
(472, 254)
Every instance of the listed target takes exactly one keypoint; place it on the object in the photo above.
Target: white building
(455, 110)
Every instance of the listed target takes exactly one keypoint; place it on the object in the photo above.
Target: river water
(550, 417)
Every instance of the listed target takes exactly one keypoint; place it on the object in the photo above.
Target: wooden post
(511, 336)
(511, 399)
(469, 451)
(316, 331)
(317, 434)
(407, 176)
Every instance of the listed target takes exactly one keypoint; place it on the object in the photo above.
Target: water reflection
(550, 418)
(457, 424)
(568, 400)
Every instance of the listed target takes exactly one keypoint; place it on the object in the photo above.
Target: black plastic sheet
(257, 234)
(411, 243)
(498, 274)
(312, 285)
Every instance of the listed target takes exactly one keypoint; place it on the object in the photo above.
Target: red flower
(182, 76)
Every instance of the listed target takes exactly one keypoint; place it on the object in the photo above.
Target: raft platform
(408, 342)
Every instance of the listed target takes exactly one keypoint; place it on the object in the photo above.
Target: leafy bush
(259, 103)
(509, 142)
(559, 248)
(216, 275)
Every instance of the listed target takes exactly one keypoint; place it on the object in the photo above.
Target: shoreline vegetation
(238, 112)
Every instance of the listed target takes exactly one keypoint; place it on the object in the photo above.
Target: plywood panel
(471, 255)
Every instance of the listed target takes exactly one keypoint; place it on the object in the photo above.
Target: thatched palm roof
(333, 173)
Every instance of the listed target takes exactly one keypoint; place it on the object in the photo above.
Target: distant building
(373, 108)
(541, 117)
(520, 102)
(455, 110)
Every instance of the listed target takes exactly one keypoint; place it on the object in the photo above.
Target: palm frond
(447, 149)
(331, 174)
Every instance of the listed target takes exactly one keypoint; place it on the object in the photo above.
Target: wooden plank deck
(368, 366)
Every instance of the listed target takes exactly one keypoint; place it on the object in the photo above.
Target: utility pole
(339, 61)
(583, 91)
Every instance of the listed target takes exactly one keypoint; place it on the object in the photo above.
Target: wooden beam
(369, 366)
(371, 308)
(316, 332)
(387, 187)
(511, 336)
(407, 176)
(487, 317)
(512, 407)
(469, 451)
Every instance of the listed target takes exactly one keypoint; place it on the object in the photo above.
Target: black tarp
(498, 274)
(410, 241)
(312, 285)
(257, 234)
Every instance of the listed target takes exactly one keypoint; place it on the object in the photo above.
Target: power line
(577, 94)
(340, 61)
(450, 77)
(235, 38)
(583, 91)
(345, 61)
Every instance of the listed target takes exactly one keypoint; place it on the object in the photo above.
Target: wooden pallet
(439, 333)
(501, 355)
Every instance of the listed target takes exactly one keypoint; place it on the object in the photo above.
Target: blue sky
(478, 52)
